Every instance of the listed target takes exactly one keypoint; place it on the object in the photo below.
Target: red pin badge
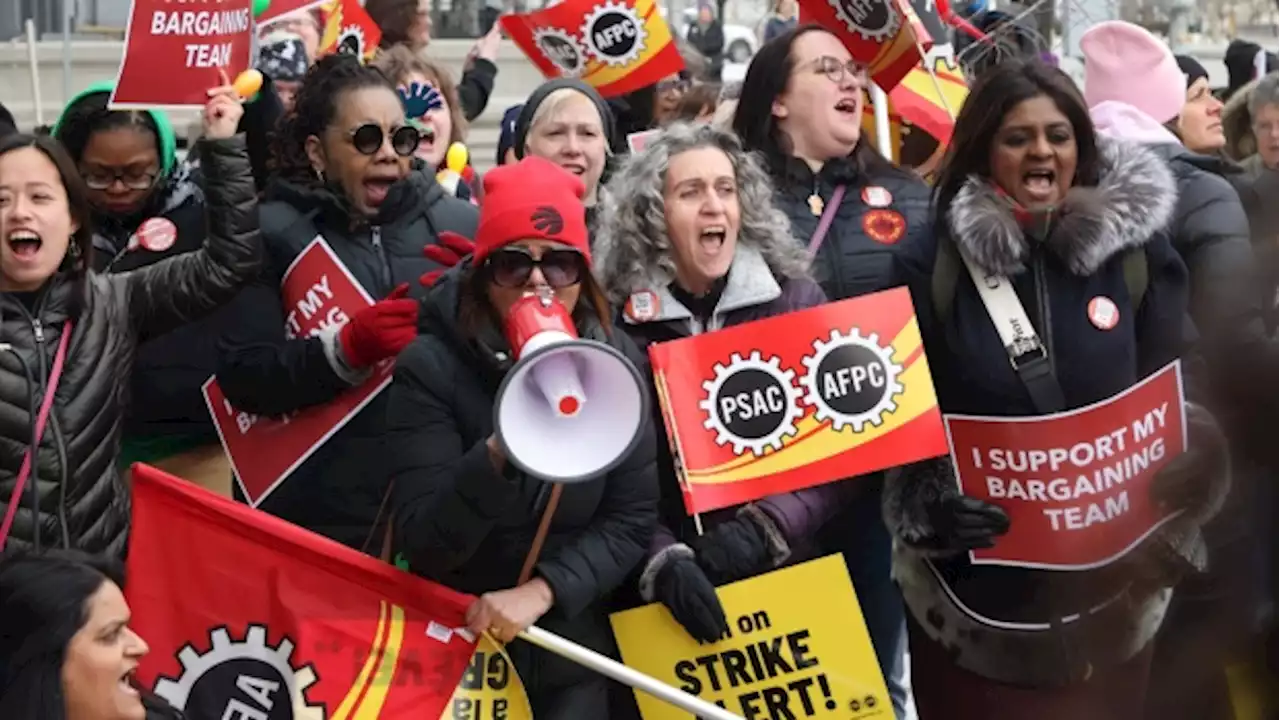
(1103, 313)
(877, 197)
(156, 234)
(884, 226)
(642, 306)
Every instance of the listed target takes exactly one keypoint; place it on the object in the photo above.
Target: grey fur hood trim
(1236, 124)
(1133, 200)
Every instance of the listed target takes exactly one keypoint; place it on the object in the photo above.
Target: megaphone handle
(540, 538)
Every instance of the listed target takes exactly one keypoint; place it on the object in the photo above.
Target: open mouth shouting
(376, 189)
(848, 106)
(25, 244)
(1040, 186)
(711, 239)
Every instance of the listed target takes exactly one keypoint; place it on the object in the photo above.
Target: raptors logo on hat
(1103, 313)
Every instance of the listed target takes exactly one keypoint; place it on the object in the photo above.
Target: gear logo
(562, 49)
(851, 380)
(244, 678)
(351, 41)
(614, 34)
(873, 20)
(752, 403)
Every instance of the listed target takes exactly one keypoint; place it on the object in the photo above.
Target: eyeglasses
(679, 85)
(368, 139)
(512, 267)
(131, 179)
(836, 70)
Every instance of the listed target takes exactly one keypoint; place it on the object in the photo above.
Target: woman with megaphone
(469, 505)
(691, 242)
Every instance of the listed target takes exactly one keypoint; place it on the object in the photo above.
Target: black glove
(684, 589)
(959, 524)
(732, 551)
(1196, 479)
(923, 509)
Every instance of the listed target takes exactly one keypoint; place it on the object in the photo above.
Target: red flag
(248, 616)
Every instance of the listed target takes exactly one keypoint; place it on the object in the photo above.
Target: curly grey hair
(1266, 92)
(632, 249)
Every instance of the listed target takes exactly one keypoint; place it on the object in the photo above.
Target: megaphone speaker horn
(570, 410)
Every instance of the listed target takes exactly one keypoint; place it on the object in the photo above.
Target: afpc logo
(851, 380)
(614, 34)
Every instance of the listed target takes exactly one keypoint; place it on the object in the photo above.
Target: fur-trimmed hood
(1133, 200)
(1236, 124)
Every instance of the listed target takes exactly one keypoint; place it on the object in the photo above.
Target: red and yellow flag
(348, 28)
(248, 616)
(876, 32)
(616, 46)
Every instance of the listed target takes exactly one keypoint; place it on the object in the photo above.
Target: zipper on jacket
(37, 328)
(375, 236)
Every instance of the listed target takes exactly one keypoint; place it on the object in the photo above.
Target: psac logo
(850, 381)
(247, 678)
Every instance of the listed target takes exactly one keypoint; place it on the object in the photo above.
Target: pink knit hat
(1125, 63)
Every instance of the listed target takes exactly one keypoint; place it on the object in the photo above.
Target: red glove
(381, 330)
(449, 251)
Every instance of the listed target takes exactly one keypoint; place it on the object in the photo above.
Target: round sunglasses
(512, 267)
(368, 139)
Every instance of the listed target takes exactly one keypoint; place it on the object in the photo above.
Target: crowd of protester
(128, 277)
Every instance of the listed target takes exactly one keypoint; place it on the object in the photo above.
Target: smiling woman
(57, 313)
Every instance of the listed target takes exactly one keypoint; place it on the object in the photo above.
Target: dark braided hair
(323, 87)
(90, 114)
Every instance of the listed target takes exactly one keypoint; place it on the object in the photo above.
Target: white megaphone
(571, 409)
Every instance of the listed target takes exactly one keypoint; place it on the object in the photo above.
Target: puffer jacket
(83, 502)
(462, 523)
(999, 622)
(757, 287)
(864, 251)
(260, 371)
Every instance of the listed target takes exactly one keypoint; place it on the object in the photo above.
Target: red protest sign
(876, 32)
(1075, 484)
(175, 51)
(796, 400)
(616, 46)
(318, 292)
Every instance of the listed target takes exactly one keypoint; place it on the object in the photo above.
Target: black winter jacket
(850, 261)
(83, 500)
(1210, 231)
(260, 371)
(1082, 259)
(468, 526)
(166, 405)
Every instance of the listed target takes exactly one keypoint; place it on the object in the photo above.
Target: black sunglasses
(512, 267)
(367, 139)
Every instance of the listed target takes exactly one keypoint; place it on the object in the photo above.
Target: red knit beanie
(534, 199)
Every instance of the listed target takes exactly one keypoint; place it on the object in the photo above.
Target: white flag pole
(880, 105)
(35, 72)
(627, 676)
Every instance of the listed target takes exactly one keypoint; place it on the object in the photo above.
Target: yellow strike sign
(797, 648)
(490, 689)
